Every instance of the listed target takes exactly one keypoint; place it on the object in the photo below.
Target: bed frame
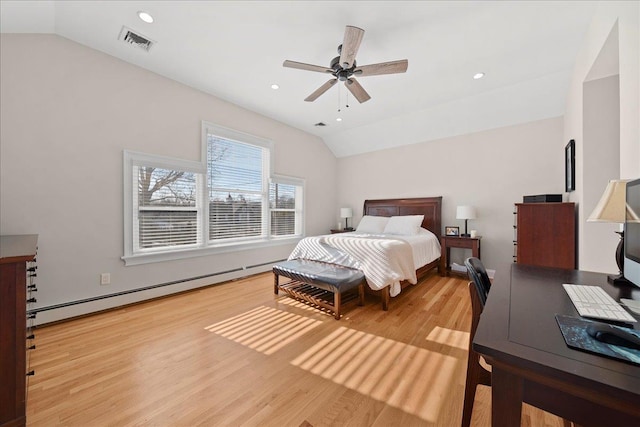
(430, 207)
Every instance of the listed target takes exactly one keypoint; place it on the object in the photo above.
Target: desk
(518, 335)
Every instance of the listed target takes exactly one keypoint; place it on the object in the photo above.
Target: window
(166, 208)
(229, 201)
(285, 207)
(163, 210)
(236, 188)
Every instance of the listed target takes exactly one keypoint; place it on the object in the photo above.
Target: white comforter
(385, 260)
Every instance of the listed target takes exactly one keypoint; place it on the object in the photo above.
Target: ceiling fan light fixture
(275, 86)
(478, 76)
(145, 16)
(339, 119)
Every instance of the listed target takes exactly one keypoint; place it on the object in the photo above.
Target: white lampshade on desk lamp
(466, 213)
(612, 208)
(346, 213)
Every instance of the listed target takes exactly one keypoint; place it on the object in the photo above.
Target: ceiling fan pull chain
(338, 98)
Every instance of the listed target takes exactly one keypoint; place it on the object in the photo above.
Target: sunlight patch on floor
(450, 337)
(401, 375)
(286, 300)
(264, 329)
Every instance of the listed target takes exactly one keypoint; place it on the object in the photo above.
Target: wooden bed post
(385, 297)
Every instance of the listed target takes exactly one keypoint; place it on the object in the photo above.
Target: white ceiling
(235, 49)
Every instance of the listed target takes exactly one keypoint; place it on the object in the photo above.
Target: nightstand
(448, 242)
(339, 231)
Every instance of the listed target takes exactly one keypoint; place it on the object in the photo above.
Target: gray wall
(67, 114)
(490, 170)
(611, 47)
(601, 162)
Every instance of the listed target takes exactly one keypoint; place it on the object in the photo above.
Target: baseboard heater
(146, 288)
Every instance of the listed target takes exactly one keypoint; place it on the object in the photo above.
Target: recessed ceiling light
(145, 17)
(275, 86)
(339, 119)
(477, 76)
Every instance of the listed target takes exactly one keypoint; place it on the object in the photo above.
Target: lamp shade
(466, 212)
(346, 212)
(612, 204)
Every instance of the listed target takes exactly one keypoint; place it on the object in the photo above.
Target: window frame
(299, 208)
(204, 245)
(132, 159)
(247, 139)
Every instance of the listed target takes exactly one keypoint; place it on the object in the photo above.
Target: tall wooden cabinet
(545, 234)
(17, 254)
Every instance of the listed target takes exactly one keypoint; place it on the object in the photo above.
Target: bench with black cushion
(319, 283)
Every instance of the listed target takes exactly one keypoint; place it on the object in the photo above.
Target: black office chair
(476, 373)
(480, 278)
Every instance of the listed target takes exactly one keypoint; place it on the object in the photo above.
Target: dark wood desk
(518, 335)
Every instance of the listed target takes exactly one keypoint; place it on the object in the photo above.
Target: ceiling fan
(344, 67)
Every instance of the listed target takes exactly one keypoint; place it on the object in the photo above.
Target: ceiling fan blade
(350, 45)
(308, 67)
(391, 67)
(322, 89)
(358, 91)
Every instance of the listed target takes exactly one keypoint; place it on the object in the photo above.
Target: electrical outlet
(105, 278)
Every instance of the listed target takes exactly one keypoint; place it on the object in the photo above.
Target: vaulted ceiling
(235, 50)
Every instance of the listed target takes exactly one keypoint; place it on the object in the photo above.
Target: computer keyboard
(594, 302)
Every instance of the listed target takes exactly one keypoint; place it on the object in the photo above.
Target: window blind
(166, 208)
(175, 208)
(282, 206)
(236, 177)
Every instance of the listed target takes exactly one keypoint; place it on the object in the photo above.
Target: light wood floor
(236, 355)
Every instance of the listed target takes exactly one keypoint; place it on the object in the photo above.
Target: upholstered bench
(325, 285)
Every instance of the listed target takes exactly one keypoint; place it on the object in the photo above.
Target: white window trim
(242, 138)
(232, 135)
(300, 204)
(131, 158)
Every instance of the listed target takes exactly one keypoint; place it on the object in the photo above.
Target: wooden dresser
(17, 272)
(545, 234)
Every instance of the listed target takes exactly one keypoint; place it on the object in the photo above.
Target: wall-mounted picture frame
(570, 166)
(452, 231)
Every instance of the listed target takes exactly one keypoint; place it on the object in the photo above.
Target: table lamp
(466, 213)
(346, 213)
(612, 208)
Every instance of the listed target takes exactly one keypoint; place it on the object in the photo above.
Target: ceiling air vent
(135, 39)
(320, 124)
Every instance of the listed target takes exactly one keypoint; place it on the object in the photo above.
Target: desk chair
(476, 373)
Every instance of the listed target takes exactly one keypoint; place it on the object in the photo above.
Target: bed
(388, 261)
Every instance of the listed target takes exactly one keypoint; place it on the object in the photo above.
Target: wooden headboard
(430, 207)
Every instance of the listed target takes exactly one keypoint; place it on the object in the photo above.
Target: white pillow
(406, 225)
(372, 224)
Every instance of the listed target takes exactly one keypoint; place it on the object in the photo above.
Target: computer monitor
(632, 233)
